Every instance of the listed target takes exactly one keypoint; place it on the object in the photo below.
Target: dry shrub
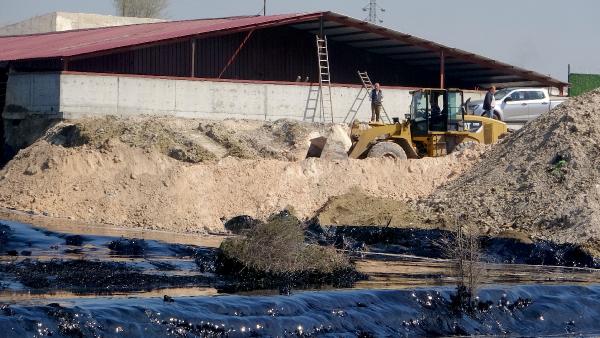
(464, 248)
(277, 247)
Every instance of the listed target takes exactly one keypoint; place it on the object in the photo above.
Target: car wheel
(387, 149)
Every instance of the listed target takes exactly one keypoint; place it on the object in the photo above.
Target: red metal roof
(413, 50)
(79, 42)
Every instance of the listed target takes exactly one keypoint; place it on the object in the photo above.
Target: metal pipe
(442, 70)
(235, 54)
(193, 59)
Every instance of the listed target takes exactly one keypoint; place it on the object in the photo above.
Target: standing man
(489, 103)
(376, 102)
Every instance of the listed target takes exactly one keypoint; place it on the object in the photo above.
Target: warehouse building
(258, 67)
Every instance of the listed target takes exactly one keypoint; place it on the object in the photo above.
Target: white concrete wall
(67, 21)
(32, 94)
(63, 21)
(77, 95)
(87, 95)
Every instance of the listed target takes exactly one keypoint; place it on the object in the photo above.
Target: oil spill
(47, 261)
(78, 285)
(87, 264)
(241, 278)
(515, 311)
(363, 240)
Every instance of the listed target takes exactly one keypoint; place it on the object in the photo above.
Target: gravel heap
(543, 180)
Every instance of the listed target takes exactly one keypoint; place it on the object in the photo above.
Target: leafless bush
(141, 8)
(278, 247)
(464, 248)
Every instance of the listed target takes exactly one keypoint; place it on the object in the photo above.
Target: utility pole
(374, 10)
(265, 7)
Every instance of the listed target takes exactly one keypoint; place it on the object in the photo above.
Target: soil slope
(543, 180)
(123, 179)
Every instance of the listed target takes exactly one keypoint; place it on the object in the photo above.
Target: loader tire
(464, 145)
(387, 149)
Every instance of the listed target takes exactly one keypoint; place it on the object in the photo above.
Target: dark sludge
(429, 243)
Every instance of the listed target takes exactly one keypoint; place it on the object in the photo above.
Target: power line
(374, 12)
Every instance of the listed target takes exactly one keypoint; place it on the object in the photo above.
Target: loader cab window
(419, 113)
(455, 113)
(438, 111)
(420, 107)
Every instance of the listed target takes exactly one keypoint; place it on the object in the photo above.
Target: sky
(540, 35)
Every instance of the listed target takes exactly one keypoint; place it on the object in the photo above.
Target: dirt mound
(357, 208)
(129, 183)
(280, 140)
(542, 180)
(193, 140)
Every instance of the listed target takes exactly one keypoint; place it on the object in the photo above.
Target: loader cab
(436, 110)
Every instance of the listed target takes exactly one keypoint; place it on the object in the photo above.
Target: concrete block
(18, 91)
(240, 98)
(153, 96)
(88, 95)
(32, 94)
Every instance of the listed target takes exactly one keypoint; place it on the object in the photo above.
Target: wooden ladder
(324, 80)
(368, 85)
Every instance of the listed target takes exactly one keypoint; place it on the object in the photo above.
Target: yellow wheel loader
(437, 125)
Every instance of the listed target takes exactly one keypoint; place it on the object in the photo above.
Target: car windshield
(501, 93)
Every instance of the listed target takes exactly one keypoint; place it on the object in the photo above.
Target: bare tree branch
(141, 8)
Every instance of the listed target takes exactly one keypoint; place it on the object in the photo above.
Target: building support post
(65, 64)
(193, 59)
(442, 70)
(321, 27)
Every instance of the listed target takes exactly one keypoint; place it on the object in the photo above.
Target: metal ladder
(312, 102)
(324, 80)
(368, 85)
(359, 100)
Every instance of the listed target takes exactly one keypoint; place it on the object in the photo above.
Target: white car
(517, 104)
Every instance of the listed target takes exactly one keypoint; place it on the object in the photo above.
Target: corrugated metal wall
(278, 54)
(167, 60)
(284, 54)
(274, 54)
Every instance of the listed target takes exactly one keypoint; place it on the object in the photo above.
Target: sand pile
(194, 140)
(128, 184)
(359, 209)
(543, 180)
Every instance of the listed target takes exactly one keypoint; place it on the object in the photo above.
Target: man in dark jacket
(489, 103)
(376, 102)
